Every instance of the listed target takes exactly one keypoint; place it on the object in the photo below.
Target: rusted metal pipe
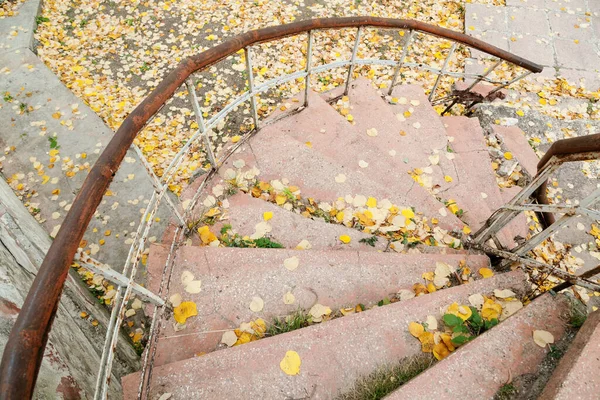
(577, 147)
(25, 347)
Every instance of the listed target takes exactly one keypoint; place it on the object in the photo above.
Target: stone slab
(334, 355)
(576, 376)
(505, 351)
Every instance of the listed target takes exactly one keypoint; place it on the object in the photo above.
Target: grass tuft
(298, 320)
(387, 379)
(506, 392)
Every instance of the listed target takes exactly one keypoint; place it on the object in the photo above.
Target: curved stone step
(231, 277)
(477, 192)
(278, 156)
(576, 376)
(334, 355)
(333, 137)
(290, 228)
(481, 367)
(413, 138)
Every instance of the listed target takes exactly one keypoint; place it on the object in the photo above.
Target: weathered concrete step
(280, 157)
(290, 228)
(576, 376)
(231, 277)
(484, 365)
(333, 355)
(334, 138)
(516, 142)
(408, 141)
(477, 192)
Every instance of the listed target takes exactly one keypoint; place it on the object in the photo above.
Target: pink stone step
(477, 193)
(479, 368)
(231, 277)
(576, 376)
(290, 228)
(278, 156)
(516, 142)
(334, 355)
(413, 149)
(328, 133)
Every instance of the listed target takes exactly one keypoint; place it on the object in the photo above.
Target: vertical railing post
(442, 71)
(498, 88)
(353, 60)
(308, 67)
(407, 42)
(200, 121)
(248, 54)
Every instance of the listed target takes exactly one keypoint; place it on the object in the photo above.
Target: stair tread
(516, 142)
(424, 132)
(334, 354)
(290, 228)
(479, 195)
(328, 133)
(279, 156)
(506, 351)
(231, 277)
(576, 376)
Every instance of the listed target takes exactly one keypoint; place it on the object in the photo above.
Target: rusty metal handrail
(563, 148)
(25, 347)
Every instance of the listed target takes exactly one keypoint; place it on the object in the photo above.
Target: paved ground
(50, 139)
(563, 35)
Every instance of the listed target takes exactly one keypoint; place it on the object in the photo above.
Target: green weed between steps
(236, 240)
(505, 392)
(386, 379)
(290, 323)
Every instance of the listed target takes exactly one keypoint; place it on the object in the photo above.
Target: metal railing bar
(308, 66)
(157, 184)
(590, 213)
(200, 121)
(502, 217)
(543, 208)
(353, 60)
(546, 233)
(120, 280)
(400, 62)
(485, 75)
(529, 263)
(247, 52)
(442, 71)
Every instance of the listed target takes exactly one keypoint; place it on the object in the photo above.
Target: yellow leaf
(291, 363)
(520, 113)
(206, 235)
(508, 155)
(462, 312)
(427, 342)
(448, 178)
(280, 199)
(466, 230)
(440, 351)
(184, 311)
(491, 310)
(267, 215)
(308, 144)
(486, 272)
(212, 212)
(447, 339)
(371, 202)
(345, 239)
(427, 275)
(416, 329)
(408, 213)
(431, 287)
(56, 115)
(235, 139)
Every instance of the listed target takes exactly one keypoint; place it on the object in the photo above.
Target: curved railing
(25, 348)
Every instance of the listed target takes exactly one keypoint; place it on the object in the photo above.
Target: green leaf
(460, 340)
(491, 323)
(461, 329)
(452, 320)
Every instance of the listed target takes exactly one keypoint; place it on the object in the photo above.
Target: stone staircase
(307, 182)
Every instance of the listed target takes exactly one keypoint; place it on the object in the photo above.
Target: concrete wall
(75, 345)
